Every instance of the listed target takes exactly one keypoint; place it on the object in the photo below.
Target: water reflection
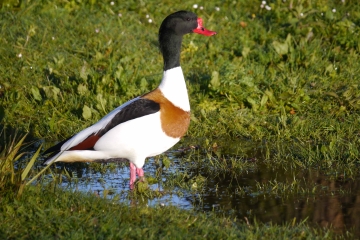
(114, 183)
(327, 202)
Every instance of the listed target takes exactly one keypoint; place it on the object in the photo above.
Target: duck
(147, 125)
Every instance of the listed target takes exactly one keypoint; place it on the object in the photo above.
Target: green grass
(47, 214)
(280, 87)
(275, 75)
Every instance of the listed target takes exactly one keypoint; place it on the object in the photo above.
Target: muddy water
(329, 202)
(263, 193)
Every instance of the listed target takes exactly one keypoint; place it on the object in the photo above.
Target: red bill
(201, 30)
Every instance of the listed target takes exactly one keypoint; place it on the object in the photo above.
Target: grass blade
(30, 164)
(37, 175)
(14, 151)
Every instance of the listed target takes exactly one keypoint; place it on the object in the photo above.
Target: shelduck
(147, 125)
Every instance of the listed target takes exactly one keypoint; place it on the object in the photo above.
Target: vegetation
(278, 87)
(12, 176)
(73, 215)
(268, 74)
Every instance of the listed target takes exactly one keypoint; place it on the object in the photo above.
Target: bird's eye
(188, 19)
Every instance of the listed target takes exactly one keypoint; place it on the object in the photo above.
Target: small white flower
(150, 20)
(195, 6)
(19, 55)
(301, 14)
(112, 3)
(322, 14)
(262, 6)
(97, 30)
(263, 2)
(217, 8)
(120, 15)
(30, 67)
(343, 1)
(53, 38)
(147, 16)
(334, 10)
(267, 7)
(201, 7)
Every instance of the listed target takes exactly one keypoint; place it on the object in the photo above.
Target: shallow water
(263, 192)
(335, 203)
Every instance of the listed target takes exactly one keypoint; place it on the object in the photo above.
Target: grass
(288, 75)
(13, 175)
(278, 87)
(73, 215)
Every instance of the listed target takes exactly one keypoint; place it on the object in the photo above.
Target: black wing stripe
(56, 148)
(136, 109)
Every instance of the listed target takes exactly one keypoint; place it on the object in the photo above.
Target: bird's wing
(86, 139)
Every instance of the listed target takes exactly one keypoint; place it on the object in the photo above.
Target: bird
(147, 125)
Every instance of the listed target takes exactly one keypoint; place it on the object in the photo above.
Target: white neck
(174, 88)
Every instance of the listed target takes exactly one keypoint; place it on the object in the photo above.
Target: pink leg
(133, 171)
(140, 173)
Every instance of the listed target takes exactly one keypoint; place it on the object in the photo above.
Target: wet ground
(322, 200)
(264, 193)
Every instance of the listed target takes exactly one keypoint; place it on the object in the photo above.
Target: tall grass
(12, 176)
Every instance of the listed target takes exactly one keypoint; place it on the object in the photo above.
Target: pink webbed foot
(133, 171)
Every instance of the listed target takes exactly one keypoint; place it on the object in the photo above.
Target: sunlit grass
(278, 85)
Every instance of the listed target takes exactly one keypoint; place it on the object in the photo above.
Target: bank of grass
(42, 213)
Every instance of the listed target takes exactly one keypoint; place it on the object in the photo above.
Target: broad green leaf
(281, 48)
(143, 84)
(253, 103)
(247, 80)
(99, 56)
(36, 93)
(119, 72)
(82, 89)
(329, 68)
(84, 72)
(51, 92)
(245, 51)
(215, 82)
(86, 112)
(270, 94)
(264, 100)
(101, 105)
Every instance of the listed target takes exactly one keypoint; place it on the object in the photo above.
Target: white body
(135, 139)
